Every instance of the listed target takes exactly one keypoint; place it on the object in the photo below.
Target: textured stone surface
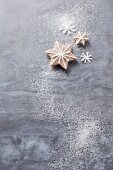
(52, 119)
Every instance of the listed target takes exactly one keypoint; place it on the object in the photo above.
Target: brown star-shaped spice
(81, 39)
(60, 55)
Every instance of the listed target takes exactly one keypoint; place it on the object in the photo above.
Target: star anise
(60, 55)
(81, 39)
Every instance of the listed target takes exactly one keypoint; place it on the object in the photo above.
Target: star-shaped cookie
(81, 39)
(60, 55)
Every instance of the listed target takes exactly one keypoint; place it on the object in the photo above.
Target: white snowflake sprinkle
(68, 28)
(86, 57)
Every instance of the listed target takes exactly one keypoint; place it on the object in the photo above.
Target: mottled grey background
(52, 119)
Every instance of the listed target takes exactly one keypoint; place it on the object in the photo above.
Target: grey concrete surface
(52, 119)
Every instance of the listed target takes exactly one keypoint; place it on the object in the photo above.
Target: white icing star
(86, 57)
(68, 28)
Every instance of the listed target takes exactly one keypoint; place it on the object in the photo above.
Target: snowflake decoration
(68, 28)
(86, 57)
